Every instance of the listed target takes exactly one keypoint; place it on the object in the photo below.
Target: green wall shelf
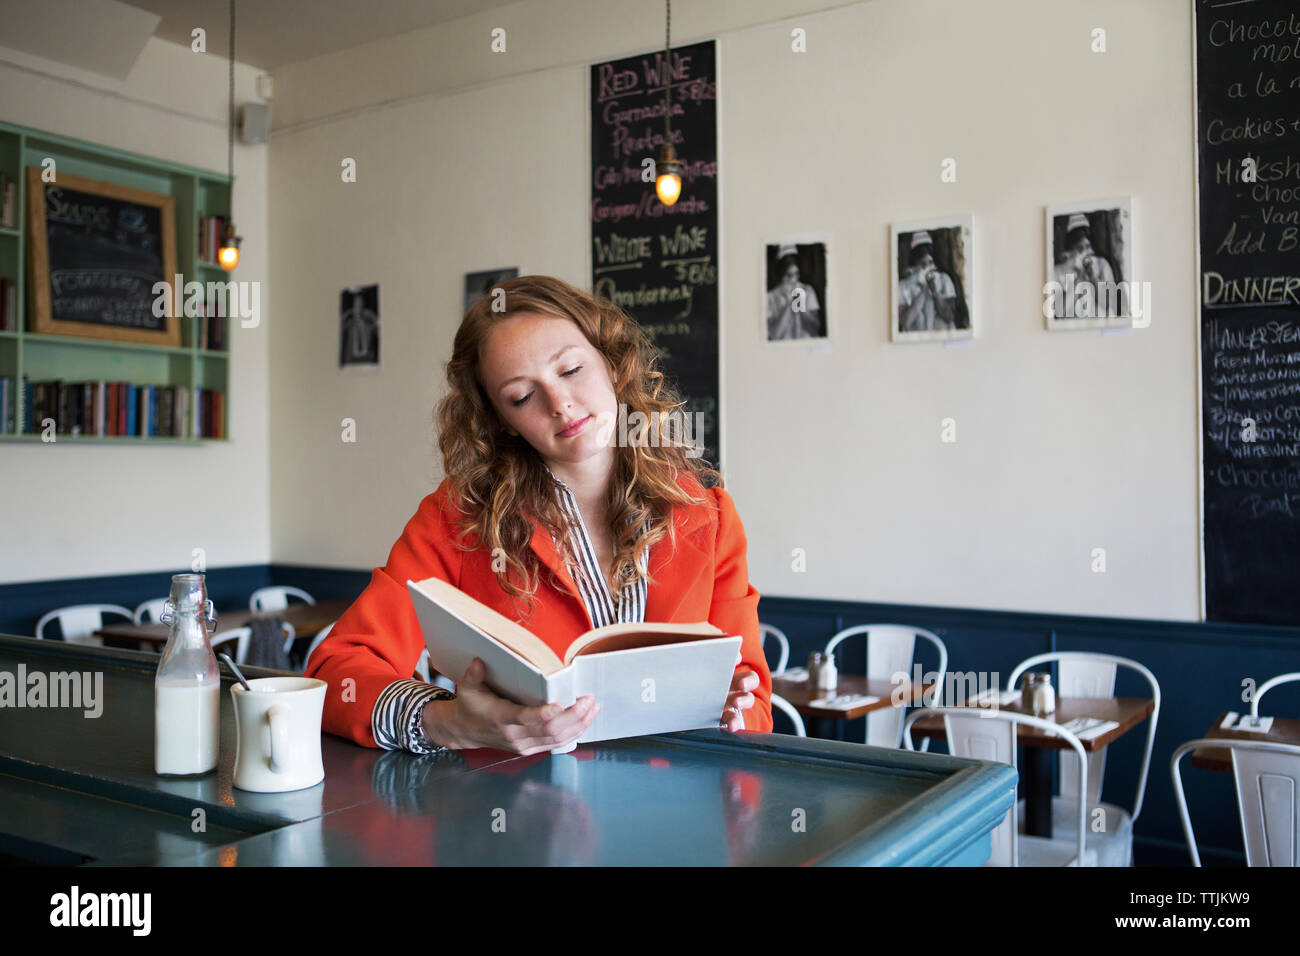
(196, 193)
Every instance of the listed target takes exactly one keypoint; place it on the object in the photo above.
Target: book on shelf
(110, 409)
(212, 328)
(212, 232)
(8, 305)
(8, 202)
(648, 678)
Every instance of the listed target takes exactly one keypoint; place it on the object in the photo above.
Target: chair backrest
(150, 612)
(890, 649)
(243, 636)
(990, 734)
(78, 622)
(424, 666)
(1269, 685)
(787, 708)
(1267, 775)
(767, 630)
(276, 598)
(1086, 674)
(240, 635)
(316, 641)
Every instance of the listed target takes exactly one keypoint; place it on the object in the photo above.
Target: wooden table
(828, 722)
(306, 619)
(1040, 746)
(1285, 730)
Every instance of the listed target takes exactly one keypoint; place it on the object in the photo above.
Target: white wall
(83, 509)
(1066, 441)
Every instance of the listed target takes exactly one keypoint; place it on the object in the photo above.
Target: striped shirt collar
(590, 578)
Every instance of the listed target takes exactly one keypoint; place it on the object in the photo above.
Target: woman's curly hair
(497, 479)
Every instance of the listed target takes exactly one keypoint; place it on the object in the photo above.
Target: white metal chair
(1087, 674)
(1267, 775)
(150, 612)
(78, 622)
(276, 598)
(767, 630)
(989, 734)
(1269, 685)
(787, 708)
(890, 649)
(242, 635)
(317, 640)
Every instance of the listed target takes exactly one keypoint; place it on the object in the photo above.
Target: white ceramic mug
(277, 733)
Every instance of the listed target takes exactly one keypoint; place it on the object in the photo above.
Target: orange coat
(378, 638)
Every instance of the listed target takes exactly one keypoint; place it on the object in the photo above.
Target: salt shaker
(1036, 694)
(827, 675)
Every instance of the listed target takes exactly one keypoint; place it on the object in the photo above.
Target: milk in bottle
(187, 688)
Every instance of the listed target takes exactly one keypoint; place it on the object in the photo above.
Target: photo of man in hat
(1088, 259)
(1080, 262)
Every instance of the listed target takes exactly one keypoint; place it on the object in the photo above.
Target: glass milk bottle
(187, 688)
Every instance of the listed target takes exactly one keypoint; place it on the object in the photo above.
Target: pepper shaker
(815, 662)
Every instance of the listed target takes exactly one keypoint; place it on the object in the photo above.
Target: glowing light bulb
(669, 188)
(228, 255)
(668, 179)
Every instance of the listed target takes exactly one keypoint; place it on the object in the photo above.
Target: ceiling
(270, 33)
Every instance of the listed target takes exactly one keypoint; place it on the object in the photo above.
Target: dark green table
(81, 790)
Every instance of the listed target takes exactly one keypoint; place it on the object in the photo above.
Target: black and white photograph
(1089, 280)
(479, 283)
(795, 289)
(931, 280)
(359, 326)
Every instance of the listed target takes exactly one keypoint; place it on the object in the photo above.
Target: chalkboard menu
(96, 252)
(1248, 138)
(660, 263)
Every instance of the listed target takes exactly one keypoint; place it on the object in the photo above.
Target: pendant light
(228, 255)
(668, 168)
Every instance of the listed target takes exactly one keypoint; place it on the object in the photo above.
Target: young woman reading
(549, 515)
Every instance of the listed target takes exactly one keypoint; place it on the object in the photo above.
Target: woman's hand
(739, 698)
(479, 718)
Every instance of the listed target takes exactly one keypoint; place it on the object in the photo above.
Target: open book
(651, 678)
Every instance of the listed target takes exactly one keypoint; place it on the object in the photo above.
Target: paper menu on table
(1086, 728)
(843, 701)
(1246, 724)
(987, 698)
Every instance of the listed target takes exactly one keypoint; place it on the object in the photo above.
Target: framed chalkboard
(95, 251)
(660, 263)
(1248, 166)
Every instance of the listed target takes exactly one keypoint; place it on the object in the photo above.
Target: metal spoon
(231, 665)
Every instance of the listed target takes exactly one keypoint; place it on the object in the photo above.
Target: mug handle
(279, 718)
